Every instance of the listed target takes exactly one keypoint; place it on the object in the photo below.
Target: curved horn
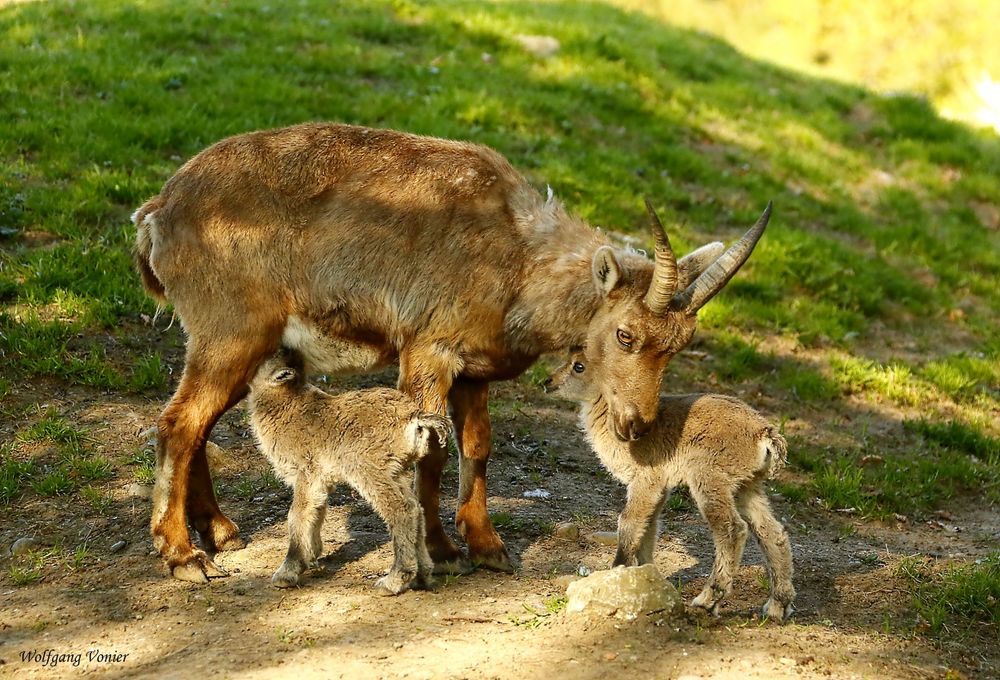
(664, 283)
(718, 274)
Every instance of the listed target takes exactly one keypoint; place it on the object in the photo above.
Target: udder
(325, 353)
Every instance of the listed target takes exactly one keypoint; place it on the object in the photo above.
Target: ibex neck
(558, 298)
(594, 421)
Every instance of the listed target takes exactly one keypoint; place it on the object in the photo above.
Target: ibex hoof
(457, 566)
(706, 602)
(496, 560)
(775, 611)
(284, 579)
(197, 569)
(395, 583)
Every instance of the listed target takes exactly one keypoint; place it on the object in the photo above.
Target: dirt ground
(854, 617)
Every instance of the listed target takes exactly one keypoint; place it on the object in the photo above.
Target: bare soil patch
(854, 616)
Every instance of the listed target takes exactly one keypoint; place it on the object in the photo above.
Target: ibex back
(361, 248)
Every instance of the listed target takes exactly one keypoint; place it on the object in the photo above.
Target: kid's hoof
(424, 582)
(773, 610)
(497, 560)
(394, 584)
(284, 579)
(704, 603)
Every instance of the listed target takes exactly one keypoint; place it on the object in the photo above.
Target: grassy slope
(872, 299)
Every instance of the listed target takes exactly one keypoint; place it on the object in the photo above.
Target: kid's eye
(578, 367)
(624, 338)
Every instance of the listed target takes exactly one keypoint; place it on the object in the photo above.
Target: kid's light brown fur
(722, 449)
(368, 438)
(361, 248)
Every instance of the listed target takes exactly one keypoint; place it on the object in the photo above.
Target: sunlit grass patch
(912, 478)
(893, 381)
(956, 599)
(961, 376)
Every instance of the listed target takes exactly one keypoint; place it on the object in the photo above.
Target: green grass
(920, 475)
(957, 599)
(13, 473)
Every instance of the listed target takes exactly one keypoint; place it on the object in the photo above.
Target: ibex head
(285, 368)
(645, 320)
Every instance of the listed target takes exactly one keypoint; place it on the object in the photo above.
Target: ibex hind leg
(395, 503)
(211, 384)
(729, 532)
(777, 549)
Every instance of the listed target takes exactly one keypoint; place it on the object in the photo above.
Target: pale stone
(568, 530)
(24, 545)
(137, 490)
(604, 537)
(623, 592)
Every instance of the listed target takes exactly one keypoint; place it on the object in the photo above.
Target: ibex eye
(624, 337)
(578, 367)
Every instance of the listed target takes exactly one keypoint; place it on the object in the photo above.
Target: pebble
(24, 545)
(137, 490)
(568, 530)
(118, 546)
(604, 537)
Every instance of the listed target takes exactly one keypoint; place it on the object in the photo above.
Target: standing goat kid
(369, 439)
(717, 445)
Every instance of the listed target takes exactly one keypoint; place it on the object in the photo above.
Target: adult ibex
(363, 247)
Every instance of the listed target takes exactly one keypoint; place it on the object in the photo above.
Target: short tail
(143, 218)
(777, 451)
(426, 425)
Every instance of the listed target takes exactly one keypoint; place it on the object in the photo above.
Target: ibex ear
(606, 270)
(694, 263)
(283, 375)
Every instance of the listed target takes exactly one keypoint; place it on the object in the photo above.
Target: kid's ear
(606, 270)
(283, 375)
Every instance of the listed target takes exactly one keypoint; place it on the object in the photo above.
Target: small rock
(536, 493)
(604, 537)
(539, 45)
(786, 661)
(118, 546)
(623, 592)
(137, 490)
(24, 545)
(568, 530)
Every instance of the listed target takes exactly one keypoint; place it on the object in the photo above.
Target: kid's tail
(777, 451)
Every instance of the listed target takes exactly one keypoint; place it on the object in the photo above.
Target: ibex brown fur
(368, 438)
(361, 248)
(717, 445)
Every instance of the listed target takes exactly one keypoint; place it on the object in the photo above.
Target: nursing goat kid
(362, 248)
(717, 445)
(367, 438)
